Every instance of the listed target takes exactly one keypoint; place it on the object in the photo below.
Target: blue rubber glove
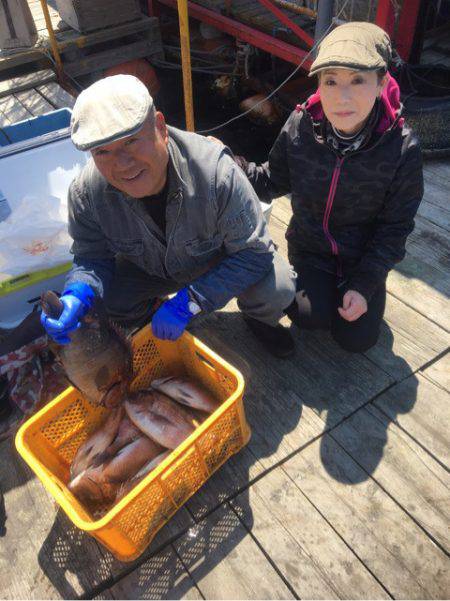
(171, 319)
(76, 300)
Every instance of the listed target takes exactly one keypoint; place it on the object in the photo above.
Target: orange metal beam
(287, 52)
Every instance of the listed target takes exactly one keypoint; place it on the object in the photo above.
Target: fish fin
(100, 458)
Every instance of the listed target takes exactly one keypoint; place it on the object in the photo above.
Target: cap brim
(85, 146)
(316, 70)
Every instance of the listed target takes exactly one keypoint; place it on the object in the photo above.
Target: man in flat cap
(159, 211)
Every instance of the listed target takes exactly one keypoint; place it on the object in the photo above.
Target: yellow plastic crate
(49, 440)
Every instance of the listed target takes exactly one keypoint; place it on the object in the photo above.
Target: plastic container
(35, 127)
(26, 293)
(41, 149)
(49, 440)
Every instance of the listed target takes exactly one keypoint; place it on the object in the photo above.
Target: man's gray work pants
(132, 293)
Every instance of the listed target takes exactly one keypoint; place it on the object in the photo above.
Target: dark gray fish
(98, 360)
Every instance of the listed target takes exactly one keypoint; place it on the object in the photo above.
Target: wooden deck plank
(161, 577)
(281, 424)
(304, 547)
(439, 372)
(34, 102)
(33, 55)
(430, 243)
(24, 82)
(217, 552)
(320, 375)
(407, 340)
(12, 111)
(401, 467)
(428, 422)
(434, 206)
(107, 58)
(272, 407)
(438, 168)
(395, 549)
(288, 403)
(56, 95)
(74, 39)
(422, 287)
(51, 557)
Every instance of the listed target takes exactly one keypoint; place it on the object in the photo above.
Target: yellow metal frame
(183, 18)
(53, 40)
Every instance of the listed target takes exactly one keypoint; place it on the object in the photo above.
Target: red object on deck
(287, 52)
(385, 17)
(406, 29)
(141, 69)
(287, 21)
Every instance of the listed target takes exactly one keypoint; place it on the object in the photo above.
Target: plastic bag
(34, 236)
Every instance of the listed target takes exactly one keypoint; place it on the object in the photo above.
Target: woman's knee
(356, 343)
(307, 315)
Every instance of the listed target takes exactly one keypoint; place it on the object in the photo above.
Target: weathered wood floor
(342, 492)
(30, 96)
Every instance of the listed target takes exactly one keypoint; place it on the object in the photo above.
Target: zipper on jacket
(329, 206)
(176, 195)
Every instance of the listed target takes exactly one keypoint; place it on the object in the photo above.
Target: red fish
(186, 391)
(97, 443)
(160, 418)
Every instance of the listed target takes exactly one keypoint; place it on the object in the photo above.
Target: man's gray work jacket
(216, 237)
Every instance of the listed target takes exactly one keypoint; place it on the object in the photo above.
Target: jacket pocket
(132, 247)
(203, 248)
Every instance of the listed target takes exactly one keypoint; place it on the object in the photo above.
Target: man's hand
(353, 306)
(171, 319)
(77, 301)
(68, 321)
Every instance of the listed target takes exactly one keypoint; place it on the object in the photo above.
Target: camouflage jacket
(352, 213)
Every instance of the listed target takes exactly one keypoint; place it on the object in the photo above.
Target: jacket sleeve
(93, 261)
(393, 224)
(244, 236)
(272, 179)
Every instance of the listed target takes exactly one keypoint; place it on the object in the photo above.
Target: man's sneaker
(276, 339)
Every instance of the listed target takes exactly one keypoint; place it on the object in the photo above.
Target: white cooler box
(37, 163)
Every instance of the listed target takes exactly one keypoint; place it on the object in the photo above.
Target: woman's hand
(353, 306)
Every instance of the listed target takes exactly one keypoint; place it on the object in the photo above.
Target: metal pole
(325, 11)
(53, 41)
(183, 19)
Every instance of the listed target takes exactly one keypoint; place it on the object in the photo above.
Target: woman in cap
(354, 171)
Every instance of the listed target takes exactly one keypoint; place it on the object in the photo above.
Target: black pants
(318, 297)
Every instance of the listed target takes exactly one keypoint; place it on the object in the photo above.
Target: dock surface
(342, 491)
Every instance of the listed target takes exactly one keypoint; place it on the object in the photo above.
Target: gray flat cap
(110, 109)
(356, 45)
